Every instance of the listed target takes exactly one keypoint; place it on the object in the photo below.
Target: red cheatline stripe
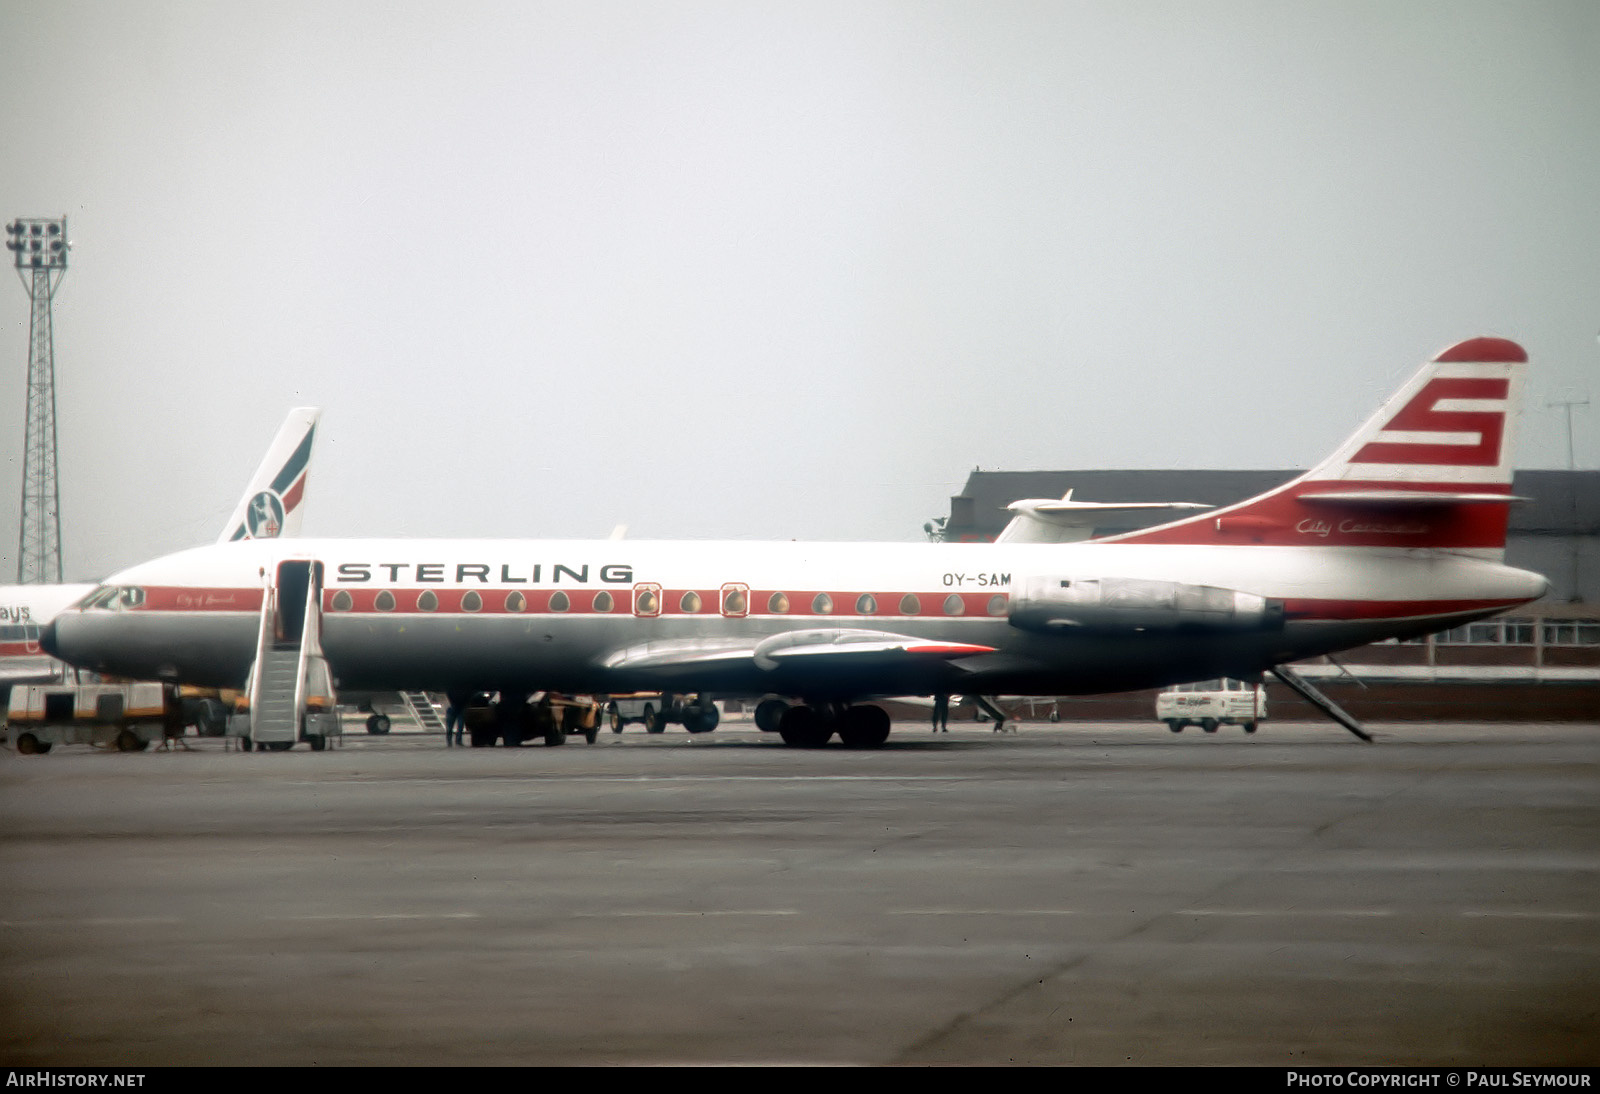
(1353, 610)
(840, 604)
(166, 598)
(582, 602)
(1282, 519)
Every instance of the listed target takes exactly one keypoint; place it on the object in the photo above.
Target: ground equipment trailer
(125, 716)
(547, 715)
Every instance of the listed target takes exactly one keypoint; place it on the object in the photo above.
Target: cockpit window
(114, 598)
(100, 598)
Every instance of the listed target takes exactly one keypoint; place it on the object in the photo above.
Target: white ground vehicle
(1212, 703)
(128, 716)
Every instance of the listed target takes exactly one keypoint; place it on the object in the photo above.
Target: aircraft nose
(47, 640)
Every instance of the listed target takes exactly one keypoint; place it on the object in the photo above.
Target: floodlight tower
(40, 246)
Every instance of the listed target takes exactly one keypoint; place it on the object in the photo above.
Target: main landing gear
(813, 726)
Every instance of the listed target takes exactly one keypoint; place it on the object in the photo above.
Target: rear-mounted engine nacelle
(1059, 604)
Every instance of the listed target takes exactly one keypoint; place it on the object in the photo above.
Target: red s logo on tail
(1421, 415)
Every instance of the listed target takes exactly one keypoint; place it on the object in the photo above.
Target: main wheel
(864, 727)
(129, 741)
(210, 718)
(378, 724)
(769, 712)
(699, 719)
(802, 727)
(615, 717)
(653, 721)
(29, 745)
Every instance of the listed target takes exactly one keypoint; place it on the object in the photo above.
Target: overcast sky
(770, 270)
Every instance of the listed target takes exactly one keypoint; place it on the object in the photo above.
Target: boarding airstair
(424, 711)
(289, 693)
(274, 715)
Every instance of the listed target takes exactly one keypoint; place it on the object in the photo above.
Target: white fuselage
(620, 616)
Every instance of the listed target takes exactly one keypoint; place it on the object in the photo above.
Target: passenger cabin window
(342, 601)
(735, 600)
(997, 604)
(866, 604)
(428, 601)
(910, 604)
(603, 601)
(822, 604)
(647, 600)
(516, 602)
(778, 604)
(472, 602)
(560, 603)
(690, 602)
(384, 601)
(953, 605)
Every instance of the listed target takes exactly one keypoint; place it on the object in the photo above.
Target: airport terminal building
(1540, 664)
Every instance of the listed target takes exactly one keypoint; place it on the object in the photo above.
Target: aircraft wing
(821, 648)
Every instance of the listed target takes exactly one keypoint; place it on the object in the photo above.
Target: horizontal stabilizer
(1052, 520)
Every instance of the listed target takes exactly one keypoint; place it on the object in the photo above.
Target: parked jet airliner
(1400, 532)
(270, 506)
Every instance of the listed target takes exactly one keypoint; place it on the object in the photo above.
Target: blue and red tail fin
(1432, 469)
(273, 503)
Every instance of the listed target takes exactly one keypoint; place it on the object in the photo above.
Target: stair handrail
(310, 626)
(269, 609)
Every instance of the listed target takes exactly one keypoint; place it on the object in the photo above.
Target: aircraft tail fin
(1431, 469)
(274, 502)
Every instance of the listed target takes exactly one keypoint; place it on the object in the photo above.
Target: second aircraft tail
(274, 502)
